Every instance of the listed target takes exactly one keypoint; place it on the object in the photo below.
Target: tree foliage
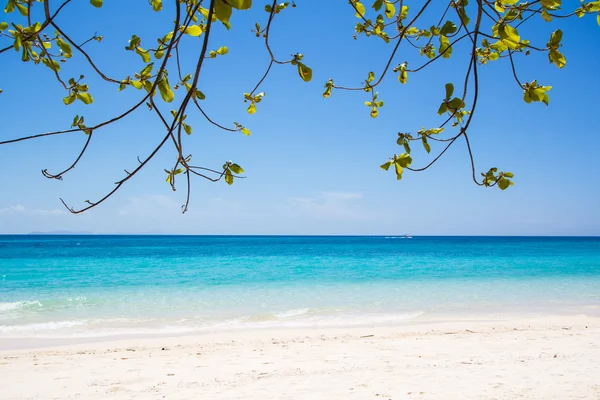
(490, 31)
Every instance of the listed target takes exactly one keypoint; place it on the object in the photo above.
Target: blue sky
(312, 163)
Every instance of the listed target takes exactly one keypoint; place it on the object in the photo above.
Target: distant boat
(407, 237)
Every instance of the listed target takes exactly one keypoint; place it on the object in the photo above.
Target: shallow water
(91, 286)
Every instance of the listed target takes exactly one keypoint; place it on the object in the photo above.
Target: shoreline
(402, 322)
(551, 357)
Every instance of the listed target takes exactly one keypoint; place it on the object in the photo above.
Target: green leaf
(193, 30)
(499, 46)
(555, 38)
(386, 166)
(426, 144)
(3, 26)
(10, 7)
(557, 58)
(165, 91)
(593, 6)
(96, 3)
(449, 90)
(398, 168)
(390, 10)
(545, 16)
(445, 48)
(144, 54)
(258, 98)
(69, 99)
(86, 98)
(222, 11)
(535, 92)
(133, 42)
(377, 5)
(550, 4)
(509, 36)
(22, 9)
(443, 108)
(404, 160)
(157, 5)
(412, 31)
(53, 65)
(403, 12)
(200, 95)
(403, 77)
(462, 14)
(65, 47)
(147, 71)
(406, 146)
(371, 77)
(222, 50)
(504, 183)
(251, 108)
(246, 131)
(187, 128)
(136, 84)
(360, 8)
(148, 86)
(236, 169)
(456, 103)
(304, 72)
(240, 4)
(448, 28)
(228, 177)
(25, 55)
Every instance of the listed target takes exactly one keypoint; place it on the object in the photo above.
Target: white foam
(18, 304)
(331, 321)
(128, 327)
(79, 298)
(292, 313)
(366, 319)
(41, 326)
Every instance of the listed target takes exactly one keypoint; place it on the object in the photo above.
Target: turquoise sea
(63, 286)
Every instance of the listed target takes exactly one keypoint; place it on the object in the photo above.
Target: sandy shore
(541, 358)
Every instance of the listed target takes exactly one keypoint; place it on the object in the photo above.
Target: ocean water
(99, 286)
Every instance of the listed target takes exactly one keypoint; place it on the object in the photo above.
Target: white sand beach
(540, 358)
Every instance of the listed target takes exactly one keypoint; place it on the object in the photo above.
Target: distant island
(62, 233)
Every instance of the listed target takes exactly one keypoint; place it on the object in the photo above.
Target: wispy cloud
(17, 208)
(150, 205)
(22, 210)
(333, 205)
(53, 211)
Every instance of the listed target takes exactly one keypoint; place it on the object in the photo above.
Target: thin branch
(60, 174)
